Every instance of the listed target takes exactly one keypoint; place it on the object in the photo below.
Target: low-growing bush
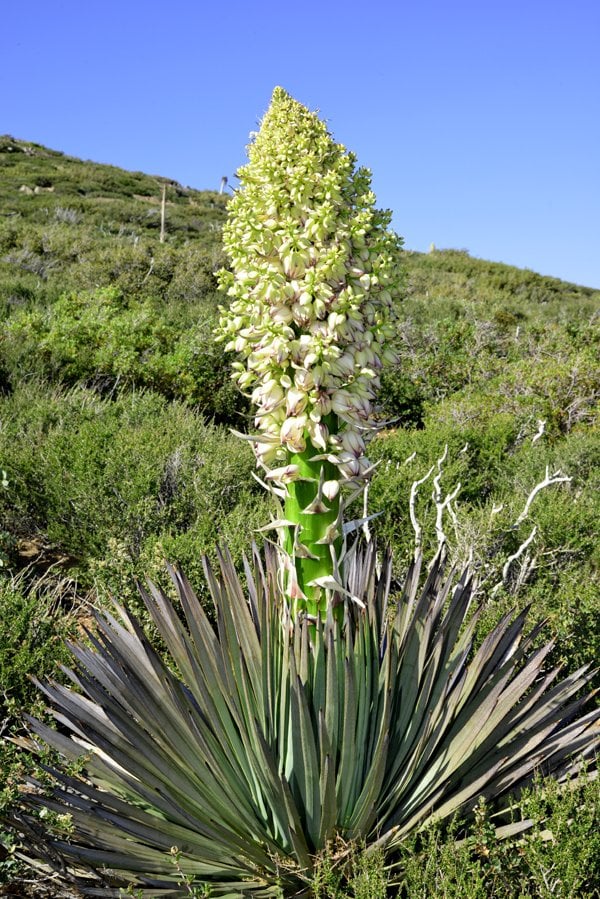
(33, 629)
(85, 471)
(559, 857)
(107, 339)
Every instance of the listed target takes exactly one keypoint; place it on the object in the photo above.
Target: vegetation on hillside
(115, 405)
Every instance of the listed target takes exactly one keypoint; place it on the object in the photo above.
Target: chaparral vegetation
(390, 694)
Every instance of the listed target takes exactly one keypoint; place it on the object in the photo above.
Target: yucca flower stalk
(314, 274)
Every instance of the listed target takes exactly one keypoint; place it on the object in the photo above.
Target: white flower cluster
(314, 275)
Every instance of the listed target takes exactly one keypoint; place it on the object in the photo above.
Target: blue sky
(479, 119)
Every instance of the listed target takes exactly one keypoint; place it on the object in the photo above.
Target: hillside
(116, 404)
(54, 181)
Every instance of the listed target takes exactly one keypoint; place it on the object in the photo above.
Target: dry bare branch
(557, 478)
(511, 559)
(444, 504)
(411, 508)
(541, 428)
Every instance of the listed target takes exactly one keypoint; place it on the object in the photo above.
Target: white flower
(321, 405)
(285, 475)
(344, 366)
(296, 401)
(318, 434)
(281, 314)
(292, 434)
(268, 395)
(303, 379)
(349, 466)
(352, 442)
(341, 402)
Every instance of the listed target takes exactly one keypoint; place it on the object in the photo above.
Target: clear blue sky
(480, 119)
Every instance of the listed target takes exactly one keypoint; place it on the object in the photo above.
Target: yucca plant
(235, 758)
(231, 757)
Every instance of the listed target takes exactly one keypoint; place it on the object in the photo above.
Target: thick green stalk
(310, 541)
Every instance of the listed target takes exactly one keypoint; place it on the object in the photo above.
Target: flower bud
(331, 489)
(245, 379)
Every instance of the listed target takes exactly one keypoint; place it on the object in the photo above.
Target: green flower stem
(314, 527)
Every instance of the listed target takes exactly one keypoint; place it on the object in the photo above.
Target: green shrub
(108, 339)
(33, 627)
(498, 468)
(558, 857)
(346, 870)
(85, 471)
(401, 399)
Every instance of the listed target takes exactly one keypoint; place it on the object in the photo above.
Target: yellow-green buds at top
(314, 275)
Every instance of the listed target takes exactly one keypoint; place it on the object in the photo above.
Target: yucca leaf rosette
(231, 759)
(313, 278)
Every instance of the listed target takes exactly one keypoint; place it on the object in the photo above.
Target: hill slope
(115, 405)
(91, 298)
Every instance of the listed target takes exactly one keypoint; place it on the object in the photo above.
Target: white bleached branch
(411, 508)
(518, 554)
(557, 478)
(440, 506)
(540, 431)
(443, 504)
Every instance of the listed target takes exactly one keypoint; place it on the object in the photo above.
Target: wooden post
(162, 213)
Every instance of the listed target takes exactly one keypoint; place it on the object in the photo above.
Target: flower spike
(313, 279)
